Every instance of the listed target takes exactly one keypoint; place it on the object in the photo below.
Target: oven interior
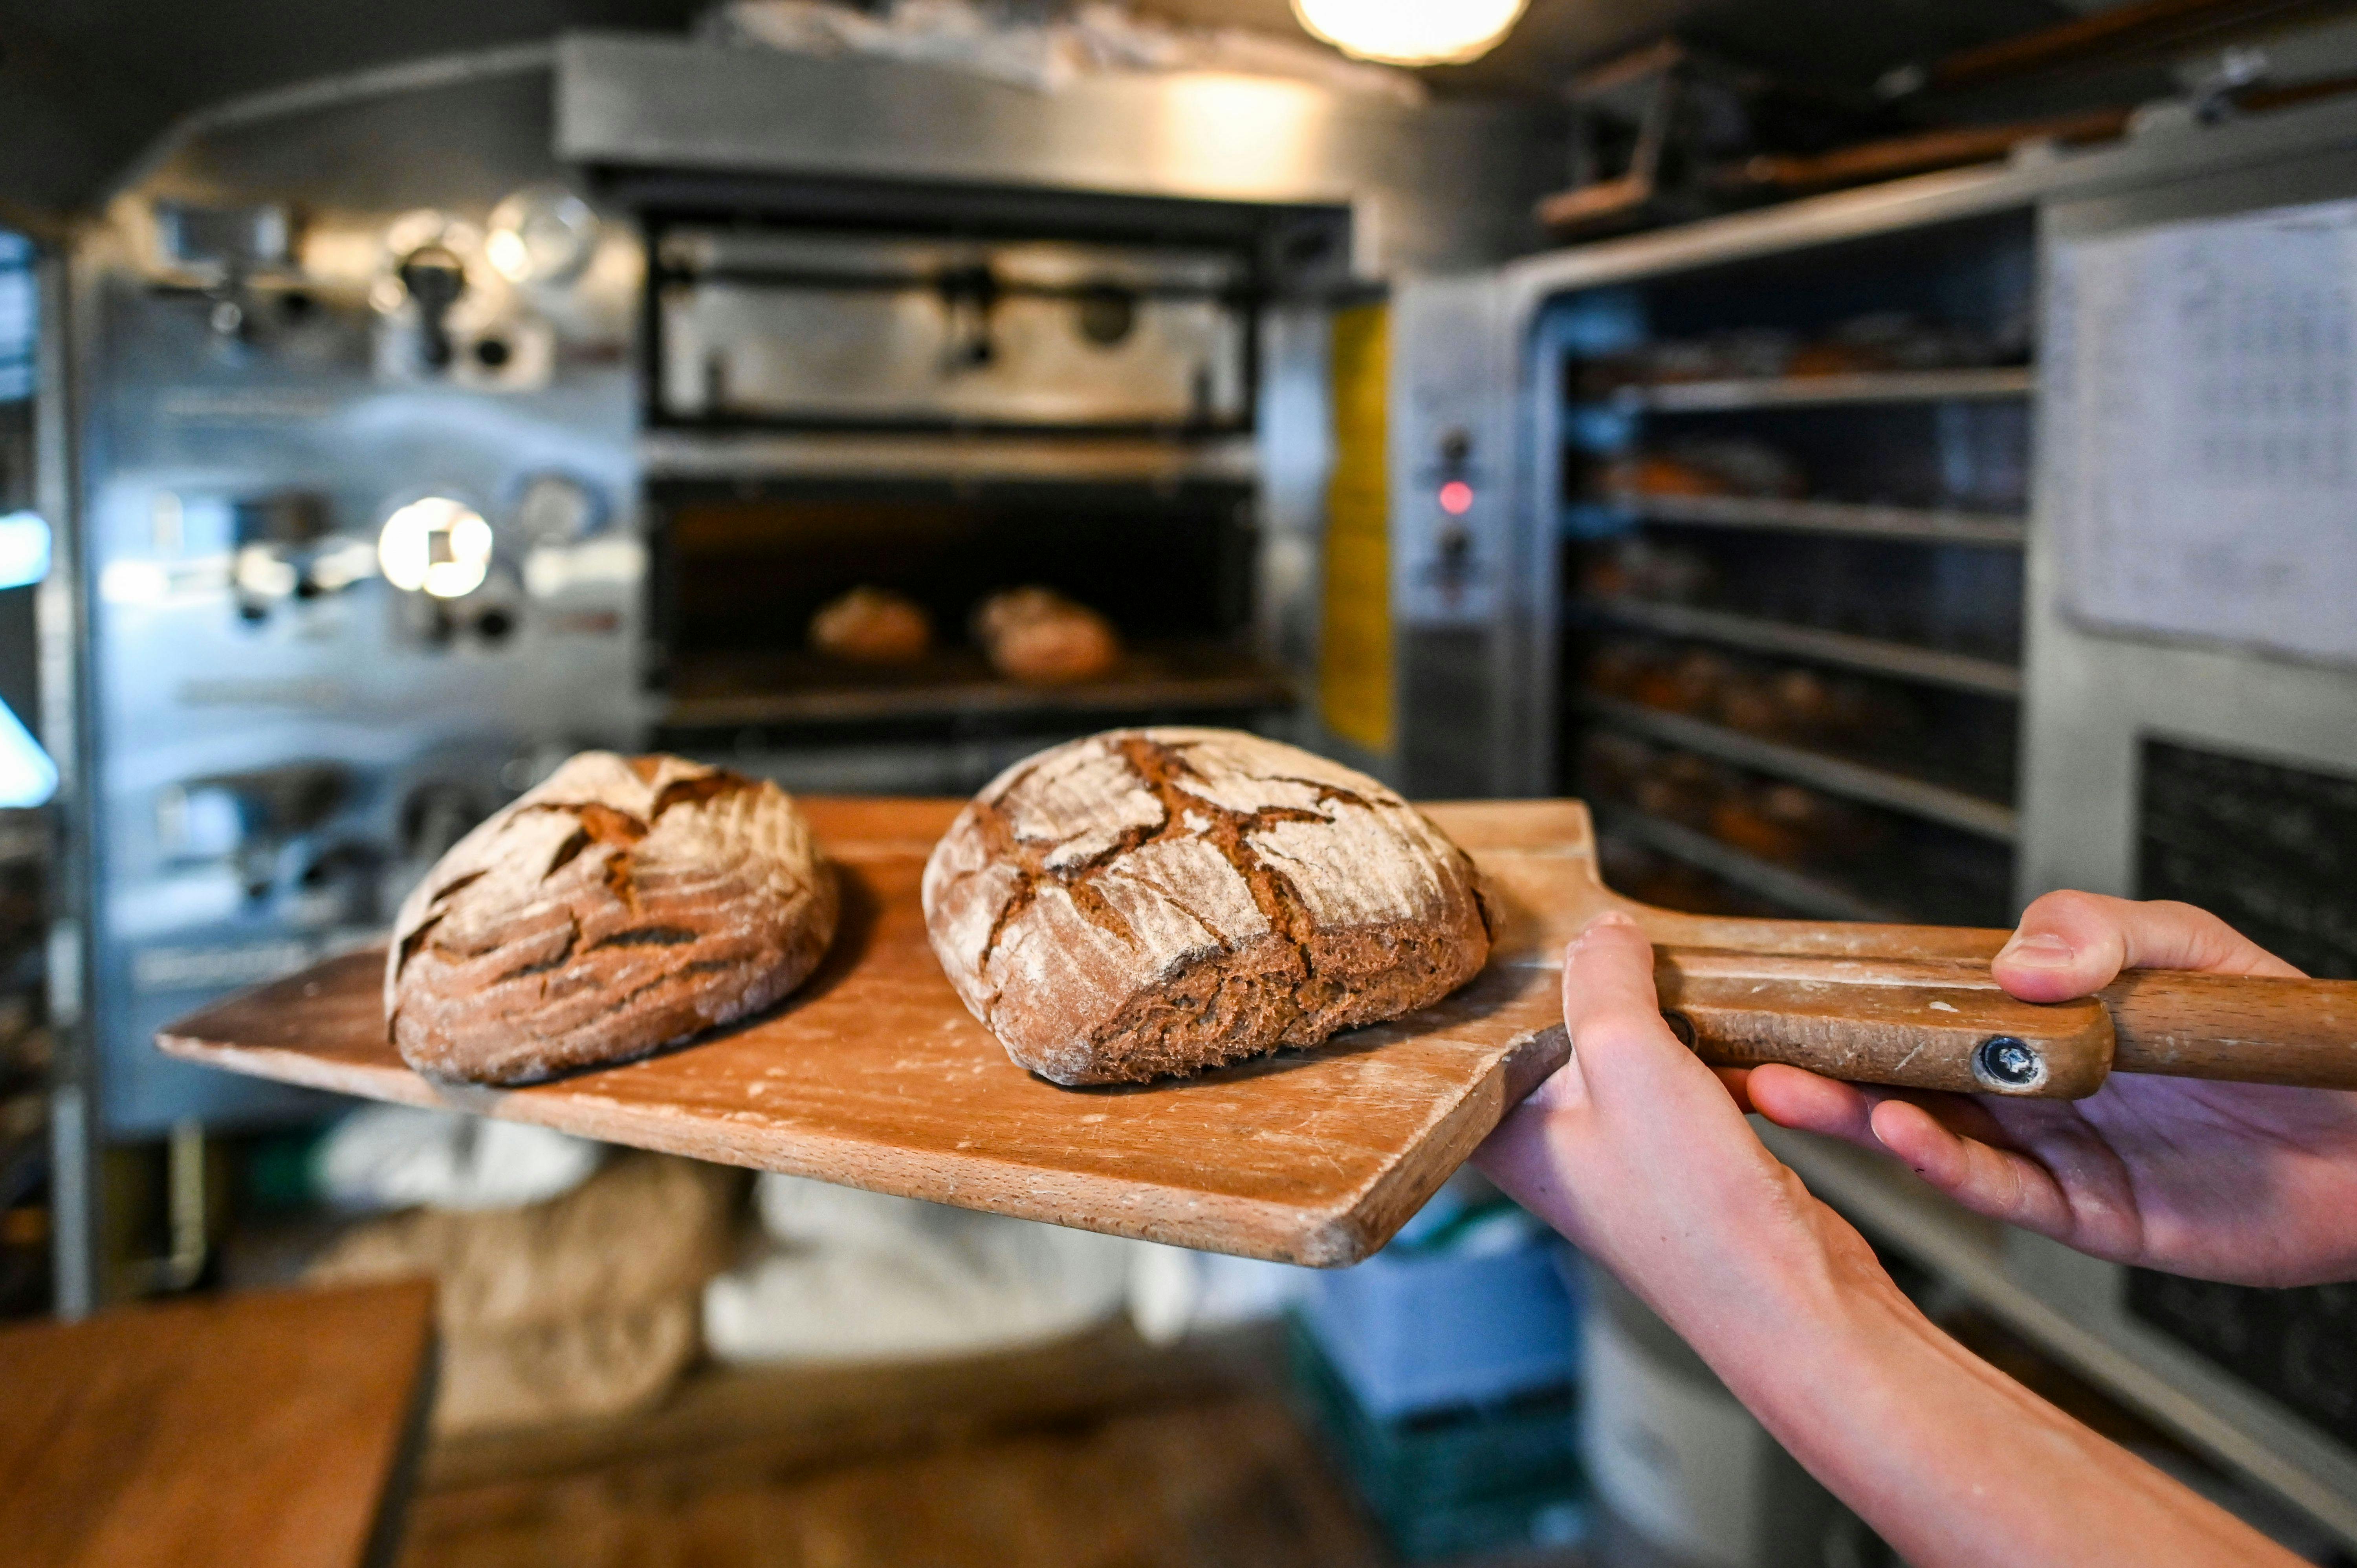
(741, 570)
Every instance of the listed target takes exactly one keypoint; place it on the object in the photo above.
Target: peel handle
(2242, 1028)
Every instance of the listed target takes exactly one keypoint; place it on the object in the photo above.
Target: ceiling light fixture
(1411, 32)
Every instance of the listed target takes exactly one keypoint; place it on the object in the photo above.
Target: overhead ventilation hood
(1442, 185)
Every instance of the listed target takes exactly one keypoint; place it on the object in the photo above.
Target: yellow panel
(1355, 655)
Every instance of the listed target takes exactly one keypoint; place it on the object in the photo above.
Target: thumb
(2073, 944)
(1624, 1052)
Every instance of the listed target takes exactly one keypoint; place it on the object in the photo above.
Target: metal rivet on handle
(1682, 1026)
(2008, 1065)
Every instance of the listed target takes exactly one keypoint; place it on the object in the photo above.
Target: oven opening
(741, 573)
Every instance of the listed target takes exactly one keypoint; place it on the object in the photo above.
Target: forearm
(1952, 1462)
(1636, 1152)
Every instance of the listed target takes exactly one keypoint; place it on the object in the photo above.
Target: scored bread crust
(622, 905)
(1147, 902)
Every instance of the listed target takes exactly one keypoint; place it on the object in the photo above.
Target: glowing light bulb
(1457, 498)
(1411, 32)
(437, 544)
(24, 549)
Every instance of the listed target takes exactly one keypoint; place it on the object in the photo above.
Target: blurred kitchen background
(1710, 409)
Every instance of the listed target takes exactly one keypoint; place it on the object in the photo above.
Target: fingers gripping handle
(1945, 1024)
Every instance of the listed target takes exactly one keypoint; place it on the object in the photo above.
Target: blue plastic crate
(1411, 1331)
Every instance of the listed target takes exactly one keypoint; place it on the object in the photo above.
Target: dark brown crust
(648, 913)
(1296, 982)
(1222, 1010)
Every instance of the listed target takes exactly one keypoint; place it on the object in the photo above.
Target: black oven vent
(2272, 850)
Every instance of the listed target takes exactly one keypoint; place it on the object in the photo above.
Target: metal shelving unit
(1856, 780)
(1905, 661)
(2103, 693)
(1796, 890)
(1809, 392)
(1911, 525)
(1949, 439)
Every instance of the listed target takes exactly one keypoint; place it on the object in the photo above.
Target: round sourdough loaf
(624, 903)
(1040, 638)
(872, 626)
(1156, 901)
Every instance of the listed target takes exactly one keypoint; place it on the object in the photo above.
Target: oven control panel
(1449, 458)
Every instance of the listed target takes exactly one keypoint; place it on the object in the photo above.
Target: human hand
(1636, 1152)
(1639, 1154)
(2247, 1183)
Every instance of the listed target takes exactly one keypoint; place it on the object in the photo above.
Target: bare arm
(1638, 1155)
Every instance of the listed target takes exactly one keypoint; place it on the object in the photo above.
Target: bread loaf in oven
(872, 626)
(625, 904)
(1039, 637)
(1148, 902)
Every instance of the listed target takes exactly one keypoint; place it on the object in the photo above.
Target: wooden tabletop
(263, 1431)
(874, 1075)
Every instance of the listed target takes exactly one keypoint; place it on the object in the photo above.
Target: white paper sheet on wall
(2199, 424)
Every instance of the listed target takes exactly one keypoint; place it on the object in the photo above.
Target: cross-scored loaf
(1156, 901)
(624, 903)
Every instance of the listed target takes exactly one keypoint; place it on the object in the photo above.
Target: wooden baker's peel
(873, 1074)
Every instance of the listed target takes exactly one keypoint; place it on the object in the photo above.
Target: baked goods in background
(585, 1305)
(872, 626)
(1634, 474)
(1775, 702)
(1721, 465)
(1150, 902)
(1871, 343)
(1766, 817)
(623, 905)
(1636, 567)
(1690, 682)
(1651, 878)
(1040, 638)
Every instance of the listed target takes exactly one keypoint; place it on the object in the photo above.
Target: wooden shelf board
(274, 1429)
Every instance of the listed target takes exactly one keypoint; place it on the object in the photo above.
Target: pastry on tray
(1147, 902)
(1039, 637)
(624, 905)
(872, 626)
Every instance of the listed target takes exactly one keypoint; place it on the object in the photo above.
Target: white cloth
(1174, 1291)
(850, 1276)
(402, 1156)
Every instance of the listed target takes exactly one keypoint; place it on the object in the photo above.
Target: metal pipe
(74, 1176)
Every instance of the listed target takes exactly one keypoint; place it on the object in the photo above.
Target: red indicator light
(1457, 498)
